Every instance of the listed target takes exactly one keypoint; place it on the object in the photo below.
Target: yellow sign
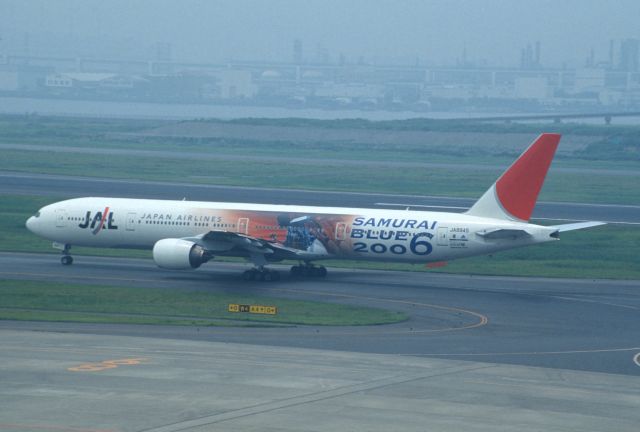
(254, 309)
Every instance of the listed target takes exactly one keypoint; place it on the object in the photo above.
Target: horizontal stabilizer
(576, 226)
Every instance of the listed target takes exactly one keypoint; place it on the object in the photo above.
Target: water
(111, 109)
(144, 110)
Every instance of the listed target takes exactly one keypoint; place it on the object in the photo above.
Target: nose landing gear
(66, 258)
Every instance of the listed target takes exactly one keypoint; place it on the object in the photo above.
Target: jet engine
(179, 254)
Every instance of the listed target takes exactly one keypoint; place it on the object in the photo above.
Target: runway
(468, 358)
(70, 187)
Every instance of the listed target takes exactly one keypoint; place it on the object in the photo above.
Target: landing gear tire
(309, 271)
(261, 275)
(296, 271)
(270, 276)
(320, 272)
(66, 258)
(251, 275)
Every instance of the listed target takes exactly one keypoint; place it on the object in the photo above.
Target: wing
(259, 250)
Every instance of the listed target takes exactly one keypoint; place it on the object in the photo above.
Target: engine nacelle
(179, 254)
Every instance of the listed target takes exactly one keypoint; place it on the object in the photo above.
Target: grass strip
(56, 301)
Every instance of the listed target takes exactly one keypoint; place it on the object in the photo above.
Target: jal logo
(98, 221)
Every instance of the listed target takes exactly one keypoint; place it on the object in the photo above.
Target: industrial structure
(613, 84)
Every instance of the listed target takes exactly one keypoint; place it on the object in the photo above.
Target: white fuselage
(349, 233)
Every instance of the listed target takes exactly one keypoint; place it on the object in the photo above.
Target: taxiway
(478, 353)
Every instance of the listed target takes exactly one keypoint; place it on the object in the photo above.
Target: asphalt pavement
(477, 354)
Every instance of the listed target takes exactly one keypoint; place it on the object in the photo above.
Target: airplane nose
(30, 223)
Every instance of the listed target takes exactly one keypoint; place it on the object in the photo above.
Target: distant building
(230, 84)
(589, 80)
(297, 52)
(84, 82)
(76, 80)
(450, 91)
(350, 92)
(317, 82)
(21, 78)
(531, 88)
(629, 55)
(163, 51)
(530, 57)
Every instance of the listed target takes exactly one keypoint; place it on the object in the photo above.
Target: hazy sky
(399, 31)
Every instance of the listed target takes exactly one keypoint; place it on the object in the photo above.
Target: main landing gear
(261, 274)
(308, 270)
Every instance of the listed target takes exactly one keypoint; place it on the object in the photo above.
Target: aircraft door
(131, 221)
(243, 225)
(443, 236)
(61, 218)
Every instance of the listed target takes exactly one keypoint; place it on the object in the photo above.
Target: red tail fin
(514, 194)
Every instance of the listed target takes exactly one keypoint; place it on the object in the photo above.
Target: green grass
(53, 301)
(611, 152)
(424, 124)
(44, 129)
(616, 150)
(609, 251)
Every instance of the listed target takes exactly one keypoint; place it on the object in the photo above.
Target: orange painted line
(91, 367)
(482, 319)
(105, 365)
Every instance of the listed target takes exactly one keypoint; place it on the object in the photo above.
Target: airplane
(185, 235)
